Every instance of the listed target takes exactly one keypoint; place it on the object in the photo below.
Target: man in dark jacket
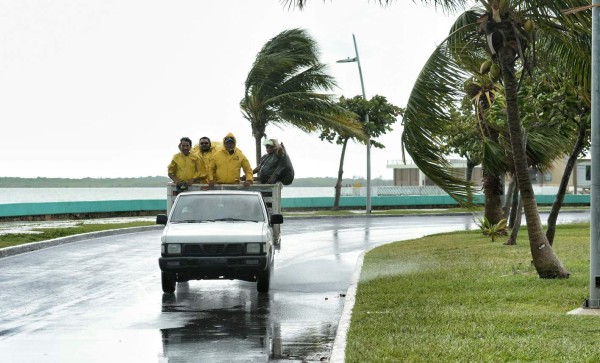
(275, 166)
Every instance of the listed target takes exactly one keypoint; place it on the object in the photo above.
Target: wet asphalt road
(100, 300)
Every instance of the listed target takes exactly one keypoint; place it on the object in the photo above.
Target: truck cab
(218, 234)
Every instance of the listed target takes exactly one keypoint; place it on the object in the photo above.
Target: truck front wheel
(263, 279)
(168, 282)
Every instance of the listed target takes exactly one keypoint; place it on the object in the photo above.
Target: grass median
(43, 234)
(459, 297)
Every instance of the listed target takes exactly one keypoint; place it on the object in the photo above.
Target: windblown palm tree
(506, 31)
(503, 29)
(284, 86)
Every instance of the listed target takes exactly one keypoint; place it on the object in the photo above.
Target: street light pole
(362, 85)
(594, 300)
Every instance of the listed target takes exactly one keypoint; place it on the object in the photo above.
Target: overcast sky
(106, 88)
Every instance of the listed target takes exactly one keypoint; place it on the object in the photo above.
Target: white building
(409, 175)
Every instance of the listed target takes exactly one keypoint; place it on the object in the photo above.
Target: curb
(29, 247)
(338, 351)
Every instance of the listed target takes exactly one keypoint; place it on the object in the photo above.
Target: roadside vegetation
(458, 297)
(43, 234)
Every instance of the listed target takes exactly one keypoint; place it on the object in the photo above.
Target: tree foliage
(382, 115)
(505, 32)
(502, 33)
(286, 86)
(377, 116)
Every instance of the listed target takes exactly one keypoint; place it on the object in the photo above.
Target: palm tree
(555, 98)
(283, 87)
(503, 29)
(507, 36)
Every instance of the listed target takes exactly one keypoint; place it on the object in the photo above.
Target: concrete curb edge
(338, 352)
(29, 247)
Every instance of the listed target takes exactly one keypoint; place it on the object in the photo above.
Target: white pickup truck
(218, 234)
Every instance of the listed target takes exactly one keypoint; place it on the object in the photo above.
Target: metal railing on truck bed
(271, 193)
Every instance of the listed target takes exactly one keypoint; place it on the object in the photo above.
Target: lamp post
(594, 300)
(362, 85)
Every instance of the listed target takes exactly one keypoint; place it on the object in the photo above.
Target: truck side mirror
(161, 219)
(276, 219)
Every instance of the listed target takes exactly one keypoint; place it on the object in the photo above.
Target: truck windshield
(197, 208)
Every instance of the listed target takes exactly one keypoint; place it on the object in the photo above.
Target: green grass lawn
(458, 297)
(14, 239)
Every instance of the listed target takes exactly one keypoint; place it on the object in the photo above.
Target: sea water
(44, 195)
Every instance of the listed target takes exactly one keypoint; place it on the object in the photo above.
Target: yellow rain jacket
(205, 158)
(185, 168)
(225, 168)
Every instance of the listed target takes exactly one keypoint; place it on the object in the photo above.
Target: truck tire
(277, 235)
(263, 279)
(168, 282)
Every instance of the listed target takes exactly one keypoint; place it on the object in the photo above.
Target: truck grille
(207, 249)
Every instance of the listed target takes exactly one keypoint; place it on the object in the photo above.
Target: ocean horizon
(47, 195)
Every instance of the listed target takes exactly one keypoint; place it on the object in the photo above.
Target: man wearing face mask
(225, 166)
(184, 168)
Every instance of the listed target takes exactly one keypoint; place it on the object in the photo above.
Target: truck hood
(219, 232)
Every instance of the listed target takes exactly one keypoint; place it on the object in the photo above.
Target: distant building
(582, 176)
(409, 175)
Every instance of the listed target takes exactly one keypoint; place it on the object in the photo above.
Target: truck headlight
(173, 249)
(253, 247)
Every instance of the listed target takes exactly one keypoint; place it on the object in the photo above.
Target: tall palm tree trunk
(338, 184)
(258, 131)
(492, 188)
(516, 226)
(469, 171)
(469, 176)
(508, 199)
(564, 183)
(514, 205)
(545, 260)
(257, 148)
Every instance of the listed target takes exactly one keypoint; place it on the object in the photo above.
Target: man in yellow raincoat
(205, 150)
(226, 163)
(184, 168)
